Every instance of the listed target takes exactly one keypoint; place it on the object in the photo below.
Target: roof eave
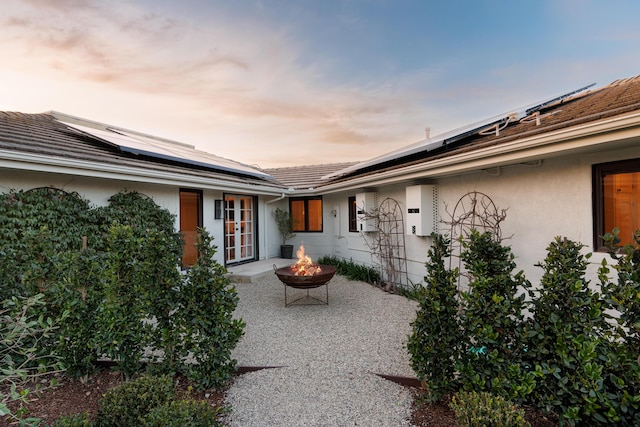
(34, 162)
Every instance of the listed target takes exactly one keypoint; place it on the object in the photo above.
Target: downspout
(266, 235)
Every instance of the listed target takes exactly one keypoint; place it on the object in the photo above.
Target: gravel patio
(325, 357)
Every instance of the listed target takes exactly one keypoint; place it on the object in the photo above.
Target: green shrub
(481, 409)
(351, 270)
(123, 294)
(205, 329)
(23, 358)
(623, 295)
(129, 403)
(79, 420)
(436, 341)
(36, 227)
(569, 342)
(493, 316)
(183, 413)
(80, 294)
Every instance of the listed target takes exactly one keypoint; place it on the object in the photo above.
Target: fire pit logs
(304, 274)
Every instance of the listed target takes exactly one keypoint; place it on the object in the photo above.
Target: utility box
(365, 204)
(422, 210)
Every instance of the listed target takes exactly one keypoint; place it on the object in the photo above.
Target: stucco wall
(543, 200)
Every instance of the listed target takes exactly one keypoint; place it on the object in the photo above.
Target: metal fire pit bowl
(287, 277)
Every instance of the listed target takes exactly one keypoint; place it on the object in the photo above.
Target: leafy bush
(38, 226)
(205, 331)
(570, 344)
(437, 340)
(129, 403)
(183, 413)
(493, 316)
(78, 420)
(80, 294)
(22, 357)
(623, 295)
(480, 409)
(351, 270)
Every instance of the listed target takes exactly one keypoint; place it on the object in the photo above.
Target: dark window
(353, 220)
(306, 213)
(616, 201)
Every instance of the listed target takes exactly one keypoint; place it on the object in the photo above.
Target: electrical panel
(422, 210)
(366, 203)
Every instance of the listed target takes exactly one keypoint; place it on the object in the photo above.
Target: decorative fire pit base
(290, 280)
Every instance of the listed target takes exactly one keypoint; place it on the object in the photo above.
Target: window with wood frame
(353, 219)
(306, 213)
(616, 200)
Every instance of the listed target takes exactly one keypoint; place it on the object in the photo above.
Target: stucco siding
(542, 200)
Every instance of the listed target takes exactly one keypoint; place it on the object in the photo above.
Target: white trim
(36, 162)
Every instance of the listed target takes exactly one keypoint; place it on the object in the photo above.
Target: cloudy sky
(291, 82)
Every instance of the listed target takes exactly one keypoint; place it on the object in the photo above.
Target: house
(566, 166)
(96, 161)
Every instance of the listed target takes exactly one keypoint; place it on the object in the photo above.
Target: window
(353, 220)
(616, 190)
(306, 213)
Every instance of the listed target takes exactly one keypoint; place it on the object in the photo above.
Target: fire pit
(305, 275)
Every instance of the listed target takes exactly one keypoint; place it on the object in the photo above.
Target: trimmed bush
(493, 316)
(437, 340)
(129, 403)
(205, 329)
(481, 409)
(183, 413)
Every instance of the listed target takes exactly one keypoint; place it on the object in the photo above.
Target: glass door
(239, 219)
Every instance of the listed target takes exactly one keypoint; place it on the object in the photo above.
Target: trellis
(473, 211)
(387, 243)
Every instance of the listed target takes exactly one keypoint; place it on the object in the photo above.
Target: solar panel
(131, 142)
(456, 135)
(556, 100)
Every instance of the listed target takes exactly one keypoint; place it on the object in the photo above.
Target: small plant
(79, 420)
(481, 409)
(22, 331)
(284, 221)
(183, 413)
(351, 270)
(129, 404)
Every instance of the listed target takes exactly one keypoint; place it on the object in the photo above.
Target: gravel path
(327, 354)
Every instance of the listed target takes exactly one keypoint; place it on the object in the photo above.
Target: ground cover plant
(109, 285)
(568, 355)
(352, 270)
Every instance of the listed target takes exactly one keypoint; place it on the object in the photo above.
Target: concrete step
(254, 271)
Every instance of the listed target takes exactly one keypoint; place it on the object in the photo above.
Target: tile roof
(41, 134)
(305, 177)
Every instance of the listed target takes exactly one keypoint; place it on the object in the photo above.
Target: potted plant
(284, 221)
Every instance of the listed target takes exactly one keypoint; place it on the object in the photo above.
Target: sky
(275, 83)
